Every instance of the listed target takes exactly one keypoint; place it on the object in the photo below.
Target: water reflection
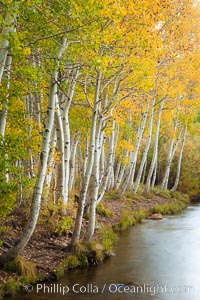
(160, 256)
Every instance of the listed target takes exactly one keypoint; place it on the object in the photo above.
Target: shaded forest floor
(47, 249)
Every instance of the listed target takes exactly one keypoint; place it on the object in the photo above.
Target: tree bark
(171, 153)
(121, 172)
(154, 176)
(131, 170)
(4, 111)
(60, 142)
(155, 149)
(67, 132)
(95, 181)
(174, 188)
(73, 161)
(148, 142)
(109, 165)
(50, 163)
(4, 48)
(86, 179)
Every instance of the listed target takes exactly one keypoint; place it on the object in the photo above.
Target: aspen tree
(61, 150)
(133, 161)
(171, 152)
(109, 166)
(155, 148)
(8, 27)
(88, 172)
(67, 144)
(148, 141)
(175, 186)
(73, 160)
(14, 251)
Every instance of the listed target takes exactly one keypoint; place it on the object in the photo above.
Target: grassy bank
(113, 216)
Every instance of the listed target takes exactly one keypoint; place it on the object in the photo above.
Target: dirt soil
(46, 250)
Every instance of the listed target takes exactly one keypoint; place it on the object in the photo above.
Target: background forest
(96, 97)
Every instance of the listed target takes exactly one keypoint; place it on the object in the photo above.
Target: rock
(51, 276)
(99, 247)
(109, 254)
(91, 257)
(155, 216)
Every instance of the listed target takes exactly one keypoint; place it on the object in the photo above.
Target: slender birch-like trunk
(102, 161)
(174, 188)
(95, 181)
(135, 152)
(73, 162)
(67, 132)
(86, 179)
(146, 150)
(14, 251)
(122, 172)
(131, 170)
(31, 166)
(85, 160)
(61, 150)
(8, 28)
(50, 162)
(5, 65)
(171, 152)
(154, 175)
(78, 162)
(144, 172)
(117, 170)
(109, 165)
(113, 145)
(155, 149)
(111, 181)
(4, 111)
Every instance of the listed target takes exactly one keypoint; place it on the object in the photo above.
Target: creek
(154, 260)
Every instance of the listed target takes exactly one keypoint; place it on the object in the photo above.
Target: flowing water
(154, 260)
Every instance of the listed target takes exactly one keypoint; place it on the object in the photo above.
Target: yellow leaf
(27, 51)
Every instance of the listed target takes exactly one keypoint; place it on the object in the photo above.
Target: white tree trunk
(86, 179)
(144, 172)
(117, 170)
(73, 162)
(131, 170)
(122, 172)
(50, 163)
(4, 111)
(95, 181)
(61, 165)
(113, 145)
(109, 165)
(85, 158)
(4, 47)
(154, 175)
(174, 188)
(146, 150)
(67, 132)
(102, 160)
(171, 152)
(155, 149)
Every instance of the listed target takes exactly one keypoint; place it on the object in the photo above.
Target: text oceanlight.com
(113, 288)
